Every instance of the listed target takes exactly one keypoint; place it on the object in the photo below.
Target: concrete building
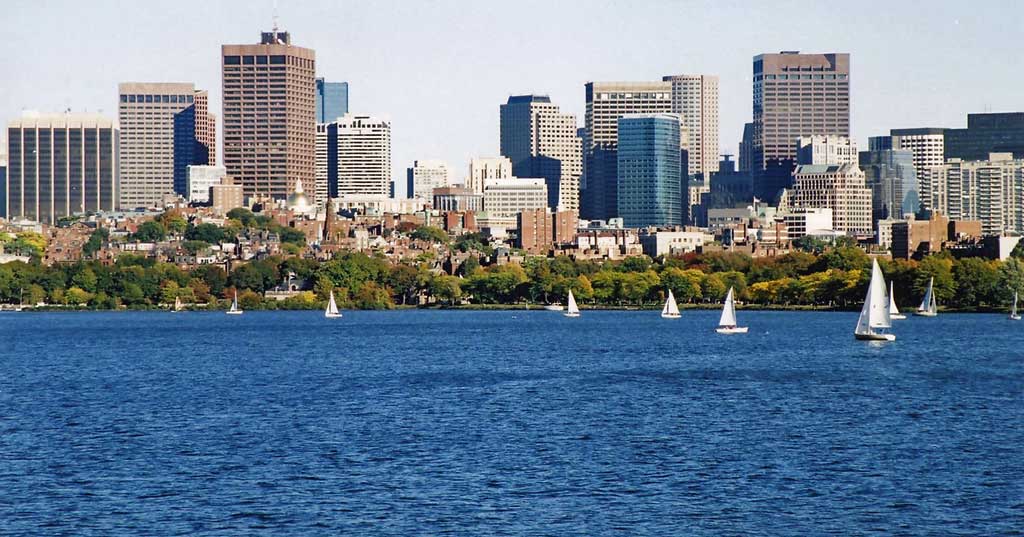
(457, 199)
(226, 196)
(695, 99)
(331, 100)
(927, 148)
(424, 176)
(649, 171)
(201, 179)
(606, 102)
(505, 198)
(990, 191)
(985, 134)
(891, 176)
(541, 141)
(535, 232)
(842, 189)
(60, 165)
(746, 149)
(320, 166)
(269, 116)
(362, 157)
(565, 225)
(483, 170)
(803, 221)
(657, 243)
(826, 150)
(165, 128)
(795, 95)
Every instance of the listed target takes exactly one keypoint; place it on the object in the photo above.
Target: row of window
(174, 99)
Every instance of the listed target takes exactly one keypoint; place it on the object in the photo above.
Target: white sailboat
(727, 323)
(177, 304)
(894, 312)
(332, 309)
(1014, 316)
(573, 310)
(671, 309)
(874, 316)
(234, 306)
(554, 307)
(928, 307)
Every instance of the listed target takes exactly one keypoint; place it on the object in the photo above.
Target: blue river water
(508, 423)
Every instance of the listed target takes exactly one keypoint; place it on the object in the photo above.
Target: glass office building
(331, 100)
(649, 170)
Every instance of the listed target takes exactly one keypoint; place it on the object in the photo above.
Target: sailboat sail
(177, 304)
(928, 304)
(573, 309)
(875, 313)
(1013, 311)
(893, 310)
(728, 311)
(332, 307)
(671, 309)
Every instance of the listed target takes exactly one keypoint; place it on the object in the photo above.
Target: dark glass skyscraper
(987, 133)
(891, 175)
(649, 165)
(331, 100)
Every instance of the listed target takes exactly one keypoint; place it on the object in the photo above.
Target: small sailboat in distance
(234, 306)
(332, 309)
(874, 316)
(573, 310)
(894, 312)
(671, 309)
(1014, 316)
(727, 323)
(177, 304)
(928, 307)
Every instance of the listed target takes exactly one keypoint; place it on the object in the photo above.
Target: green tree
(243, 215)
(445, 288)
(713, 288)
(96, 240)
(685, 284)
(77, 296)
(1011, 278)
(27, 243)
(372, 296)
(150, 231)
(208, 233)
(976, 281)
(195, 247)
(940, 268)
(430, 234)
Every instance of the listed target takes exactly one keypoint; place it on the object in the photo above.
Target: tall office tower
(331, 100)
(826, 150)
(3, 183)
(795, 95)
(746, 156)
(695, 98)
(606, 103)
(486, 169)
(59, 165)
(990, 190)
(927, 147)
(424, 177)
(320, 174)
(650, 180)
(542, 142)
(359, 149)
(165, 128)
(841, 188)
(985, 134)
(269, 99)
(891, 176)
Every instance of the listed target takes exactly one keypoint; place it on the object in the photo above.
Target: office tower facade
(695, 99)
(795, 95)
(927, 148)
(60, 165)
(542, 142)
(606, 102)
(359, 149)
(3, 184)
(483, 170)
(320, 172)
(506, 198)
(331, 100)
(985, 134)
(201, 179)
(226, 196)
(269, 116)
(825, 150)
(841, 188)
(458, 199)
(990, 190)
(424, 176)
(165, 128)
(746, 152)
(891, 175)
(650, 179)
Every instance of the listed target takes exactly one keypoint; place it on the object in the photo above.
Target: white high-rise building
(486, 169)
(320, 165)
(695, 99)
(201, 179)
(363, 156)
(927, 147)
(826, 150)
(991, 191)
(541, 141)
(505, 198)
(841, 188)
(424, 176)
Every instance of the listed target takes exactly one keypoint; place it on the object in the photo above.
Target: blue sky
(440, 69)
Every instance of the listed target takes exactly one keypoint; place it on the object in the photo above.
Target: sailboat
(894, 312)
(671, 310)
(928, 307)
(234, 306)
(573, 310)
(332, 309)
(874, 316)
(177, 304)
(727, 323)
(1014, 316)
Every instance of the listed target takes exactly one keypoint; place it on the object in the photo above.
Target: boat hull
(732, 329)
(554, 307)
(235, 312)
(925, 314)
(1015, 317)
(572, 314)
(898, 317)
(670, 315)
(332, 315)
(875, 337)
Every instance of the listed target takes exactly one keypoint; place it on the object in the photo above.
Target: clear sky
(440, 69)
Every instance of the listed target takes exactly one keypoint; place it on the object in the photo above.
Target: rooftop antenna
(275, 19)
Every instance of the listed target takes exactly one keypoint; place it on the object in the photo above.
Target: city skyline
(459, 84)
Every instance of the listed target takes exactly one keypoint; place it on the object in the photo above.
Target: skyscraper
(746, 156)
(331, 100)
(826, 150)
(650, 179)
(483, 170)
(59, 165)
(842, 189)
(269, 98)
(795, 95)
(361, 155)
(424, 176)
(606, 103)
(891, 176)
(542, 142)
(985, 134)
(165, 128)
(695, 99)
(990, 190)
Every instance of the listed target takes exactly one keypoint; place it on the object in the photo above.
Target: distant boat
(332, 309)
(177, 304)
(671, 310)
(554, 307)
(1014, 316)
(928, 307)
(894, 312)
(574, 310)
(727, 323)
(234, 306)
(874, 316)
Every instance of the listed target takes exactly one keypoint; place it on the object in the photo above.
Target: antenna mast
(275, 19)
